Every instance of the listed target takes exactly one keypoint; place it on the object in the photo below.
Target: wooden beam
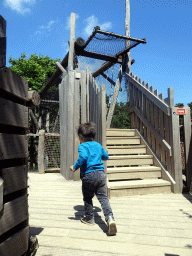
(2, 42)
(71, 42)
(18, 241)
(121, 36)
(15, 178)
(13, 114)
(99, 56)
(114, 99)
(15, 212)
(55, 75)
(13, 83)
(61, 68)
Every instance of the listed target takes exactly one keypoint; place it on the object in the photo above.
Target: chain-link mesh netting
(109, 45)
(52, 151)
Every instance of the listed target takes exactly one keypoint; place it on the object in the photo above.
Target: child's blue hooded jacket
(90, 158)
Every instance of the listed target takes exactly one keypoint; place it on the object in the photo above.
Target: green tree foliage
(120, 118)
(179, 105)
(36, 69)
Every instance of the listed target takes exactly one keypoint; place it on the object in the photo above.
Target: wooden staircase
(130, 170)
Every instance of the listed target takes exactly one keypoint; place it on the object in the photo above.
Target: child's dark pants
(95, 183)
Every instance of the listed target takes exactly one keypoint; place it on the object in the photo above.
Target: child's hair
(87, 131)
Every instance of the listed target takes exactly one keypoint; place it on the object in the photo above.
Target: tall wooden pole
(127, 33)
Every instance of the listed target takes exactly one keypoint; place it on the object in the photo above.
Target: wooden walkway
(148, 225)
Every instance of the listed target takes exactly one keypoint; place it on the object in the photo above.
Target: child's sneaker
(87, 220)
(112, 229)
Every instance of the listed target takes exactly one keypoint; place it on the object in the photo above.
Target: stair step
(120, 132)
(133, 169)
(130, 160)
(125, 140)
(138, 187)
(134, 175)
(125, 150)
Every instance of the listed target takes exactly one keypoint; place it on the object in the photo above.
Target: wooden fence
(14, 228)
(81, 100)
(156, 120)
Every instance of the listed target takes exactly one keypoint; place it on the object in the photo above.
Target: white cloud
(92, 22)
(46, 28)
(68, 21)
(20, 6)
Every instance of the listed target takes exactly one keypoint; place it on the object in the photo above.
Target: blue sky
(42, 27)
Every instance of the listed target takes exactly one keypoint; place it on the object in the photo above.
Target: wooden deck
(148, 225)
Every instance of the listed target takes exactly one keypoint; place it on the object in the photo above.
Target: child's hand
(72, 169)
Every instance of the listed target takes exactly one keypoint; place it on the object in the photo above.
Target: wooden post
(114, 99)
(83, 97)
(47, 123)
(70, 125)
(41, 149)
(87, 100)
(103, 118)
(187, 132)
(76, 123)
(1, 195)
(176, 164)
(72, 42)
(2, 42)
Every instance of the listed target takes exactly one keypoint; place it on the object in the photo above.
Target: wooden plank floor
(147, 225)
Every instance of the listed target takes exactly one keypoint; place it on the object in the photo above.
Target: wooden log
(13, 83)
(13, 114)
(41, 150)
(34, 119)
(15, 178)
(33, 99)
(18, 241)
(13, 146)
(13, 215)
(2, 42)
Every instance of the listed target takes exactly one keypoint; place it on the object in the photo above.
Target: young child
(93, 176)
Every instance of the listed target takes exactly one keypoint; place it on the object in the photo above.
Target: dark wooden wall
(14, 228)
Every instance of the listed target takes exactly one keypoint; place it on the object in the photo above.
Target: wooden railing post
(187, 133)
(41, 149)
(176, 164)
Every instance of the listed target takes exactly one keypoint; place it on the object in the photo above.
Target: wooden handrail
(151, 96)
(161, 140)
